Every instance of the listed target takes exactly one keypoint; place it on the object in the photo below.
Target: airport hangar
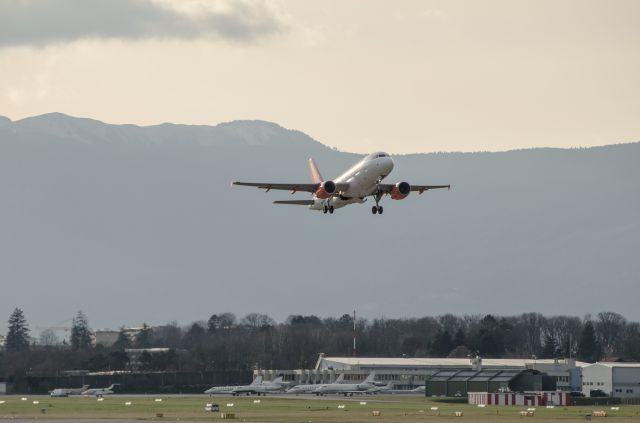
(620, 380)
(445, 376)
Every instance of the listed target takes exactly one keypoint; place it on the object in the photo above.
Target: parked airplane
(420, 389)
(99, 392)
(229, 389)
(374, 390)
(363, 180)
(347, 388)
(65, 392)
(263, 388)
(310, 388)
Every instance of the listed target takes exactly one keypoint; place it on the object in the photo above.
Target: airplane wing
(286, 187)
(386, 188)
(295, 202)
(268, 186)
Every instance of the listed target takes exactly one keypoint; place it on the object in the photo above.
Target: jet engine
(400, 190)
(326, 190)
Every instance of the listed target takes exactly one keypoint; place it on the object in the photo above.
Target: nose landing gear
(377, 209)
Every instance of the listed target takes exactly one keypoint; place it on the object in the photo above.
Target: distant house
(105, 337)
(108, 337)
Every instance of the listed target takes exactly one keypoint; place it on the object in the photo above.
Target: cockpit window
(376, 155)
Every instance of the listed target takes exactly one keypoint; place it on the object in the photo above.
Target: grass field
(287, 409)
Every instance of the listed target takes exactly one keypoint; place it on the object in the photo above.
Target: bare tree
(48, 338)
(609, 328)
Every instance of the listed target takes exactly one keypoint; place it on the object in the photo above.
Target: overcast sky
(400, 76)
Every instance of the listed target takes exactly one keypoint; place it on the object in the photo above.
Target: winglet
(316, 177)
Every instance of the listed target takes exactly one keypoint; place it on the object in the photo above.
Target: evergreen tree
(80, 333)
(123, 340)
(18, 335)
(143, 338)
(588, 348)
(442, 344)
(118, 360)
(460, 338)
(550, 348)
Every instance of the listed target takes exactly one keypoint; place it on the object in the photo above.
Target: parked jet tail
(370, 378)
(257, 381)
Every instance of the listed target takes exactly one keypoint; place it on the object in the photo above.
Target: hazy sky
(400, 76)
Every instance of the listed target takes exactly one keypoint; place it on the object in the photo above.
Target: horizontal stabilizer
(295, 202)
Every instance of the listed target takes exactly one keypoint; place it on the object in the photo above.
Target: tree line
(226, 342)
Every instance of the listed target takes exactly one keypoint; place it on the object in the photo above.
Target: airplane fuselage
(303, 389)
(343, 388)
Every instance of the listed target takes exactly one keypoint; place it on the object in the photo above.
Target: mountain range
(139, 224)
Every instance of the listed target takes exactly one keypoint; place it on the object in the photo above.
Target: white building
(621, 380)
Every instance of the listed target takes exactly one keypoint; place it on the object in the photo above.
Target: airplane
(347, 388)
(374, 390)
(99, 392)
(362, 180)
(310, 388)
(65, 392)
(420, 389)
(230, 389)
(262, 388)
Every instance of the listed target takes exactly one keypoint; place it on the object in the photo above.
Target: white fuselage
(98, 392)
(340, 388)
(220, 390)
(361, 180)
(303, 389)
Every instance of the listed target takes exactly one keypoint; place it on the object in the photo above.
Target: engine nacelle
(326, 190)
(400, 190)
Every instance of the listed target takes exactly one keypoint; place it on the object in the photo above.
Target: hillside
(137, 224)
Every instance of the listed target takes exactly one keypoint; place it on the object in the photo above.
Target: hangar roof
(344, 363)
(616, 364)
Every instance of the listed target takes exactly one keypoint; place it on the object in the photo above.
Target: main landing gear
(377, 209)
(328, 208)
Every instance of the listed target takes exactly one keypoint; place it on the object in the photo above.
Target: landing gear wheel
(325, 210)
(380, 209)
(330, 209)
(374, 209)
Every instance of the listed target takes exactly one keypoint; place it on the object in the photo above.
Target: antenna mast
(354, 333)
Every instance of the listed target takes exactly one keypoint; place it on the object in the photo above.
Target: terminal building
(410, 373)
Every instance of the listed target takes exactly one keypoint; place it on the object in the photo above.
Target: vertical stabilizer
(316, 177)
